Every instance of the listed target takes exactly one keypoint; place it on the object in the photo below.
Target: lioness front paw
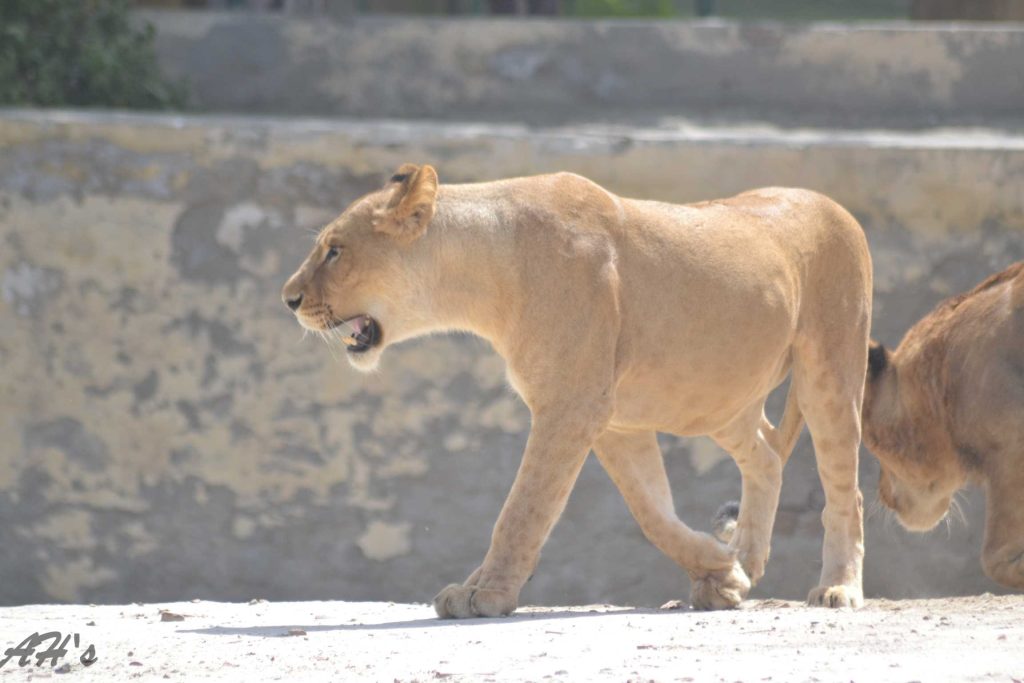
(836, 596)
(719, 590)
(459, 602)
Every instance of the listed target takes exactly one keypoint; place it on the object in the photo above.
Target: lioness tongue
(357, 325)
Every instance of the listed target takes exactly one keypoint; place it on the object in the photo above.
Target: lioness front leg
(634, 463)
(555, 452)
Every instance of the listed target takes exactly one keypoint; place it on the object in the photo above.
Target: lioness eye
(332, 253)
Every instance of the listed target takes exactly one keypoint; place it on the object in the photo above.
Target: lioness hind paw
(835, 596)
(720, 590)
(456, 601)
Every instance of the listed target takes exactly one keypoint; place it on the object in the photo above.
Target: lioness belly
(681, 398)
(710, 306)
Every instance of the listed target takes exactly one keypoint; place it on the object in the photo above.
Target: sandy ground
(961, 639)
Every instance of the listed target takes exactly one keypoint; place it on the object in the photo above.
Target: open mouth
(364, 334)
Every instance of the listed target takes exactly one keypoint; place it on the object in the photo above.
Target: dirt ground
(959, 639)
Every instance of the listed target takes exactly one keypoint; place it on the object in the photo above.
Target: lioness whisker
(888, 520)
(956, 509)
(332, 334)
(874, 507)
(325, 335)
(335, 334)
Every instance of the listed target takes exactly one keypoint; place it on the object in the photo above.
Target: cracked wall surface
(548, 71)
(169, 433)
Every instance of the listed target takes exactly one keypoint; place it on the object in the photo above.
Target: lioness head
(910, 483)
(362, 282)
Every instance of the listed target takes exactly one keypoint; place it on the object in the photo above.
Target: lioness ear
(878, 359)
(412, 205)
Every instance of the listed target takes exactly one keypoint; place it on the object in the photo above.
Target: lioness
(946, 408)
(619, 318)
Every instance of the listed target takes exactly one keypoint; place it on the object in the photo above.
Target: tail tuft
(724, 524)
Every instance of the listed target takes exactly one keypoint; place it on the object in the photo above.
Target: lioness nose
(294, 303)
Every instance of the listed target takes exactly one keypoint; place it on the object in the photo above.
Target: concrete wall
(551, 71)
(168, 433)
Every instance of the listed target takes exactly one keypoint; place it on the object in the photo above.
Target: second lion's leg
(634, 463)
(1003, 553)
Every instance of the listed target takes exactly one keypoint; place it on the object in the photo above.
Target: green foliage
(621, 8)
(56, 53)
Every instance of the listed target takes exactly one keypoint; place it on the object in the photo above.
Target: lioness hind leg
(831, 405)
(1003, 553)
(761, 470)
(634, 463)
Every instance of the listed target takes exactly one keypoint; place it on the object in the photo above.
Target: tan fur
(947, 408)
(619, 318)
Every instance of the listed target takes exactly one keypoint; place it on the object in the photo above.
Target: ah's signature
(56, 650)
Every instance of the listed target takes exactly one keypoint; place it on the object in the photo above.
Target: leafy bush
(57, 53)
(621, 8)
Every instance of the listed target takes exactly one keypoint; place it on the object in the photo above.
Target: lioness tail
(724, 524)
(783, 439)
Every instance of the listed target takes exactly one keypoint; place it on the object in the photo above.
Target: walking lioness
(946, 408)
(619, 318)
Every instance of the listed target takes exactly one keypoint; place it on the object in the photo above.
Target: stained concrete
(551, 71)
(169, 432)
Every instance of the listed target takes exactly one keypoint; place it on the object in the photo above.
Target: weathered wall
(168, 433)
(550, 71)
